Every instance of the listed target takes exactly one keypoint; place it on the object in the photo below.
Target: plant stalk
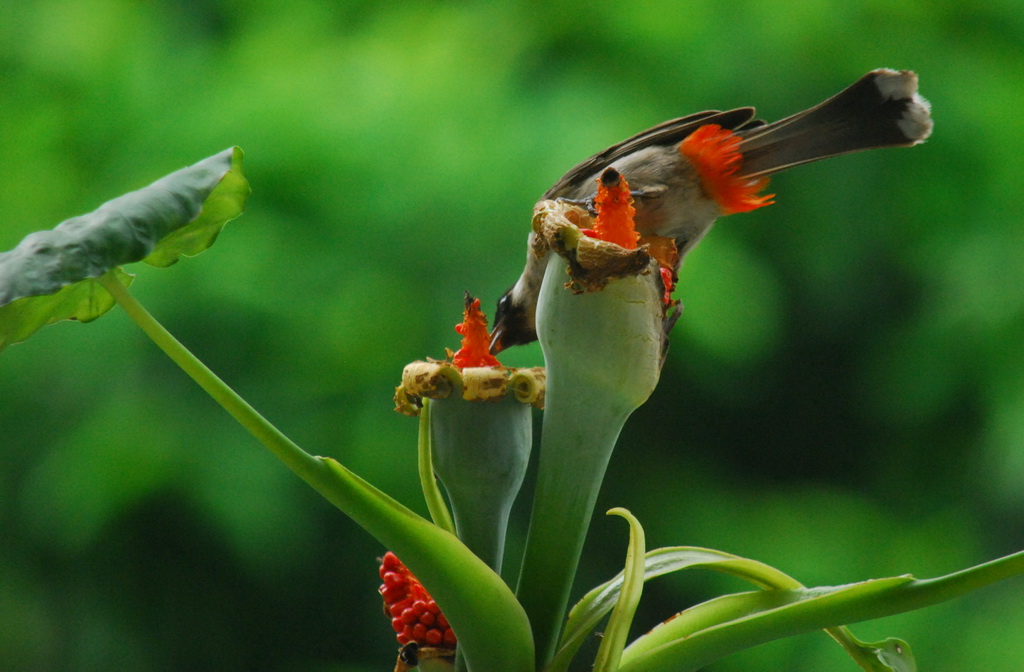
(463, 585)
(603, 355)
(574, 457)
(302, 463)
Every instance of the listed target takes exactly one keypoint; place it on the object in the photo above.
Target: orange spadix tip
(615, 211)
(475, 350)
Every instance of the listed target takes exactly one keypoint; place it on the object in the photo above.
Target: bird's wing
(665, 133)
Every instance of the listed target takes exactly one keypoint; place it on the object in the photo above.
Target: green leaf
(719, 627)
(725, 625)
(888, 655)
(49, 276)
(615, 635)
(83, 301)
(225, 202)
(589, 611)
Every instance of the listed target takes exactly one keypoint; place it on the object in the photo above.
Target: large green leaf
(83, 301)
(49, 276)
(217, 207)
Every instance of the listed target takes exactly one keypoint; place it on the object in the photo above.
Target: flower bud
(481, 432)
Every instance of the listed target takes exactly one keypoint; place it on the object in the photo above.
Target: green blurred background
(844, 398)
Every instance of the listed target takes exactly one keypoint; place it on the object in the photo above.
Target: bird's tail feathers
(881, 109)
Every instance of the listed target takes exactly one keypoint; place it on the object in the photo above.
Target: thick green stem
(602, 352)
(575, 449)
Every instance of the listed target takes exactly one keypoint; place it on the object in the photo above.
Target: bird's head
(513, 321)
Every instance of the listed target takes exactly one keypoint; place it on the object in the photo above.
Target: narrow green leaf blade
(178, 214)
(595, 605)
(615, 635)
(725, 625)
(891, 655)
(722, 626)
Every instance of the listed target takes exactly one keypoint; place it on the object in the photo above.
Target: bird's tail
(881, 109)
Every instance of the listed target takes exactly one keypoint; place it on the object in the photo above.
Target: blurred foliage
(844, 398)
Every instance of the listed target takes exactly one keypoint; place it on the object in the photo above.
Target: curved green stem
(573, 458)
(428, 481)
(493, 630)
(298, 460)
(603, 356)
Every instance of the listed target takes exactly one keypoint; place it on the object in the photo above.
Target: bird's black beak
(502, 314)
(512, 329)
(496, 343)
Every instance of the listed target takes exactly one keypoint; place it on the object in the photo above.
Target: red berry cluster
(415, 615)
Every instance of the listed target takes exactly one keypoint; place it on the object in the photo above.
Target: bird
(685, 173)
